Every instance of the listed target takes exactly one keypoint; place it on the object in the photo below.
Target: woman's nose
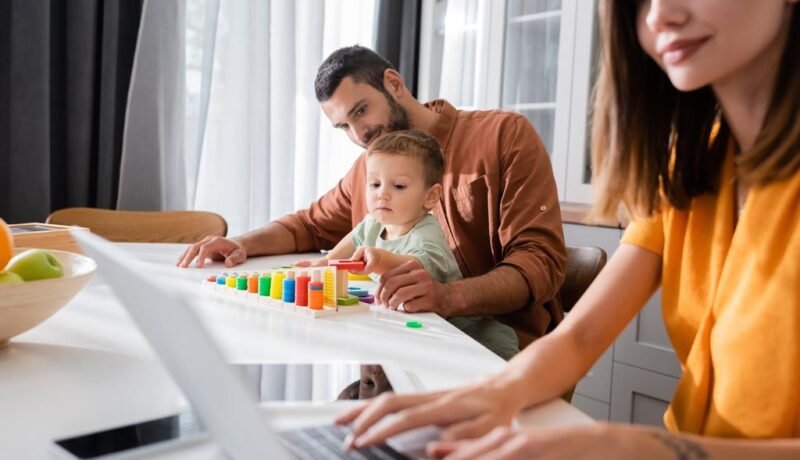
(665, 14)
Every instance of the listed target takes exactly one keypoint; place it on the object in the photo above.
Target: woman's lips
(679, 50)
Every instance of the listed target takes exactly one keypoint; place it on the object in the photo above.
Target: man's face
(363, 112)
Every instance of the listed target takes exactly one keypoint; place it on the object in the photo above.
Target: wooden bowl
(25, 305)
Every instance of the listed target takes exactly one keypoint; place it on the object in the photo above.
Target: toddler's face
(396, 190)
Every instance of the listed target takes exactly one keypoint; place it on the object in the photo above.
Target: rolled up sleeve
(647, 233)
(530, 230)
(327, 220)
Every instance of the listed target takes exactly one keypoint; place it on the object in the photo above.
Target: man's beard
(398, 117)
(398, 120)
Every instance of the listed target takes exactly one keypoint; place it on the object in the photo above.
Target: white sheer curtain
(153, 169)
(460, 49)
(262, 143)
(254, 144)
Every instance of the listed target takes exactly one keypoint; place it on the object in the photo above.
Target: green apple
(10, 278)
(35, 264)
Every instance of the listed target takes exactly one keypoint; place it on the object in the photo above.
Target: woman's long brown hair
(651, 142)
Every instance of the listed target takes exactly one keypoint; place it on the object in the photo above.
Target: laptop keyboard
(325, 441)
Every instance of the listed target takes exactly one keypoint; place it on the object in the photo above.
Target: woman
(697, 132)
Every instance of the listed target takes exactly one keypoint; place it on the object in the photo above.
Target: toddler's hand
(370, 256)
(321, 262)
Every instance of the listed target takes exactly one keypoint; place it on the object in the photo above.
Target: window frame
(577, 41)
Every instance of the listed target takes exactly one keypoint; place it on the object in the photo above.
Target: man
(499, 208)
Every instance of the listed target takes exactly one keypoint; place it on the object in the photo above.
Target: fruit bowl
(25, 305)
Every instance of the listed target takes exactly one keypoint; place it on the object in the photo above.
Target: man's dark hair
(361, 64)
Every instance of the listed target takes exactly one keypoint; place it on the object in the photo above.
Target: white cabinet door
(596, 384)
(644, 342)
(640, 396)
(591, 407)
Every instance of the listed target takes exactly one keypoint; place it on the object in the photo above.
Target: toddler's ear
(434, 194)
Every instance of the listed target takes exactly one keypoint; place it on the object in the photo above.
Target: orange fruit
(6, 244)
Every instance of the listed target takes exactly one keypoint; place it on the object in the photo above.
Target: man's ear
(434, 193)
(393, 82)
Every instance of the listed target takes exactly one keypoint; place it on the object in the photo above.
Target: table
(88, 367)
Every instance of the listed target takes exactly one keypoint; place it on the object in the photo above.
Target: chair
(583, 265)
(144, 226)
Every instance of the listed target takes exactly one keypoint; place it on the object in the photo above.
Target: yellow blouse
(731, 305)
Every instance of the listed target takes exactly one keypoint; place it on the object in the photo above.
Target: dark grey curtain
(397, 37)
(65, 67)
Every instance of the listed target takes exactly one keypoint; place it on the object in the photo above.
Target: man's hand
(412, 286)
(214, 248)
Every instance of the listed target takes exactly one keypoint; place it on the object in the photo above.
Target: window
(529, 56)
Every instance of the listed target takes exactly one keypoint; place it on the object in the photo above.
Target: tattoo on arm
(683, 448)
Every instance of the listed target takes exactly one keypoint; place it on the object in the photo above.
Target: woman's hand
(464, 413)
(597, 441)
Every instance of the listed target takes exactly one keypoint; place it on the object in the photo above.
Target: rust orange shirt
(500, 207)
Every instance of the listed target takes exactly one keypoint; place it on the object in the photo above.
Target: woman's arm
(541, 372)
(603, 441)
(560, 359)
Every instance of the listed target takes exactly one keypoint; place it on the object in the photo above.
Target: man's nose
(361, 133)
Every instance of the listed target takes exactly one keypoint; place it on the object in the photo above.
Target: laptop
(217, 395)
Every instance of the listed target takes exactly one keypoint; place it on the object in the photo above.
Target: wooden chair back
(583, 265)
(144, 226)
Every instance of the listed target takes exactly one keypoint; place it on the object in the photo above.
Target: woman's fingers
(478, 448)
(350, 415)
(473, 428)
(382, 406)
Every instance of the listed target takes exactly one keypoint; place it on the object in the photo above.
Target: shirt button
(543, 208)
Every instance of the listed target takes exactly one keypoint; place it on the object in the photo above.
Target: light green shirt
(427, 243)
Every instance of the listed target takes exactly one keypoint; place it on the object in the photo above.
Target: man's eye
(361, 110)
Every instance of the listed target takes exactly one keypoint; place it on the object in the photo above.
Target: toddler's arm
(379, 261)
(343, 250)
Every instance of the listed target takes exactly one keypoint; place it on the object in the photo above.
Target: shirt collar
(443, 129)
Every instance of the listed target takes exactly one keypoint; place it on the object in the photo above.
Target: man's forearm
(273, 238)
(500, 291)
